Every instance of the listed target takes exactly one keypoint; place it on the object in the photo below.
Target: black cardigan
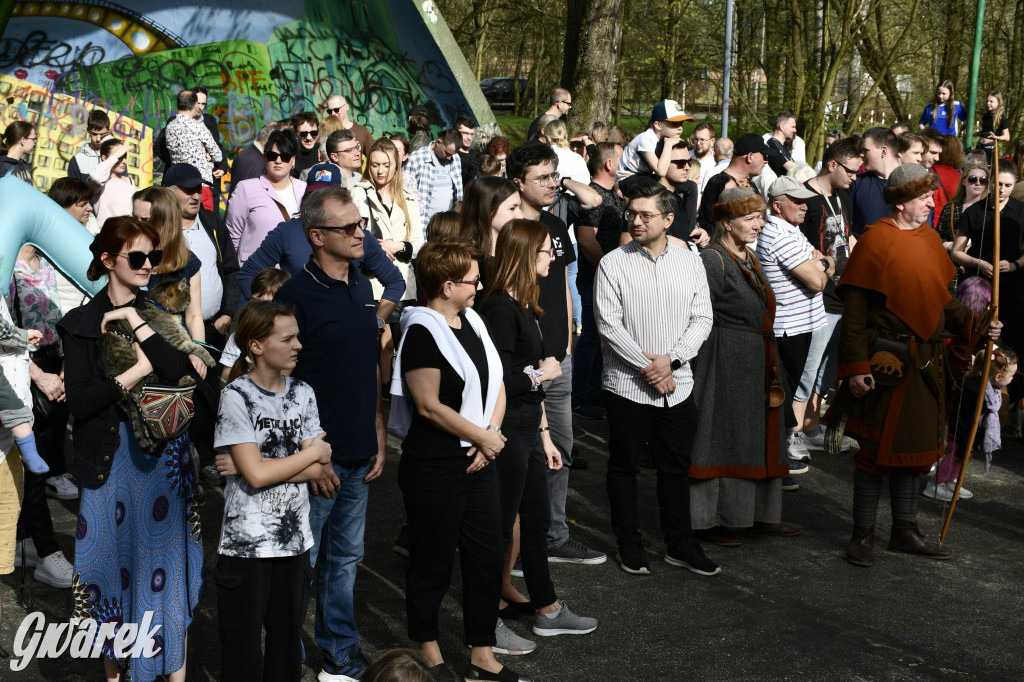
(92, 398)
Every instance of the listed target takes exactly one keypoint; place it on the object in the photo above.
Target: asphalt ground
(782, 609)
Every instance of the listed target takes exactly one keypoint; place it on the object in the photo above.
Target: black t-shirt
(426, 439)
(516, 335)
(827, 228)
(610, 223)
(778, 156)
(554, 323)
(685, 219)
(986, 128)
(306, 158)
(978, 223)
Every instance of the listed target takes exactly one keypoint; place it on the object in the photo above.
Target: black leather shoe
(906, 537)
(504, 675)
(719, 535)
(442, 673)
(861, 551)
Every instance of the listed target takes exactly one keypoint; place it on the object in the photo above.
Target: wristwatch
(380, 325)
(826, 264)
(676, 364)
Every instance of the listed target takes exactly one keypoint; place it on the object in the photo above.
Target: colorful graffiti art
(260, 60)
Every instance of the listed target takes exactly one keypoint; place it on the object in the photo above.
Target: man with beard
(437, 171)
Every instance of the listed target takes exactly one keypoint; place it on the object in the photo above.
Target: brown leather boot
(861, 551)
(907, 537)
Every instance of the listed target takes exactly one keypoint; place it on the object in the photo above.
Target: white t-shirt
(631, 161)
(287, 197)
(272, 521)
(199, 243)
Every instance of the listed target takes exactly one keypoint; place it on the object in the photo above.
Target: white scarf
(402, 408)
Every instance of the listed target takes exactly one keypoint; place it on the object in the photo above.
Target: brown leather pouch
(890, 361)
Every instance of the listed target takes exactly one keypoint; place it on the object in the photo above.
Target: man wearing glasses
(703, 151)
(653, 312)
(345, 161)
(307, 128)
(561, 102)
(338, 106)
(437, 171)
(534, 170)
(333, 306)
(827, 227)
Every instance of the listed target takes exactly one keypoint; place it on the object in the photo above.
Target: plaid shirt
(421, 167)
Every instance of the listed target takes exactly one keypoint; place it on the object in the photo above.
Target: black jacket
(92, 398)
(227, 261)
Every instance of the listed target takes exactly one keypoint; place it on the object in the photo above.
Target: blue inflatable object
(31, 217)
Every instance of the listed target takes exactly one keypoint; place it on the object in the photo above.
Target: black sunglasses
(274, 156)
(309, 133)
(349, 230)
(136, 259)
(977, 180)
(334, 110)
(682, 163)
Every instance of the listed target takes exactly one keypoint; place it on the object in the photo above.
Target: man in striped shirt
(653, 312)
(797, 274)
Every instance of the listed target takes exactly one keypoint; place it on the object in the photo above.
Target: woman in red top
(951, 160)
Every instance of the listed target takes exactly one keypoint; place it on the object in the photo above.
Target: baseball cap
(183, 175)
(324, 174)
(790, 187)
(669, 110)
(749, 144)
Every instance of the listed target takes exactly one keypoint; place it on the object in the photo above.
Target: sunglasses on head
(309, 133)
(137, 259)
(274, 156)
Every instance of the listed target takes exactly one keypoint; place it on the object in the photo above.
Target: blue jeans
(571, 271)
(338, 523)
(830, 362)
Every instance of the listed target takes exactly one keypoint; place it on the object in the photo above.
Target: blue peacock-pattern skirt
(138, 548)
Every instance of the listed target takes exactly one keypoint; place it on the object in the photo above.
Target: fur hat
(736, 202)
(908, 182)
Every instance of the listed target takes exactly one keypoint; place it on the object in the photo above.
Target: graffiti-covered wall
(261, 60)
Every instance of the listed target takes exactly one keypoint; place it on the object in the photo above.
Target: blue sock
(30, 456)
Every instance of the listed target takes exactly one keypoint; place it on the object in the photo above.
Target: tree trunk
(575, 10)
(598, 58)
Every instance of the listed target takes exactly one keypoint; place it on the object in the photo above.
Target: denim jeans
(586, 355)
(830, 362)
(807, 380)
(558, 405)
(338, 523)
(571, 271)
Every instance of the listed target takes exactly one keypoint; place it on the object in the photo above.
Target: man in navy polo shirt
(334, 308)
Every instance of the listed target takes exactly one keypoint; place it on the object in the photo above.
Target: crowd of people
(704, 296)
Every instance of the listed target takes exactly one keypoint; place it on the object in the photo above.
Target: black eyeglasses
(474, 282)
(136, 259)
(309, 133)
(349, 230)
(851, 172)
(977, 180)
(645, 217)
(274, 156)
(682, 163)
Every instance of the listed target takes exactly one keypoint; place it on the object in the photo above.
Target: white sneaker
(797, 448)
(55, 571)
(943, 492)
(31, 556)
(62, 487)
(817, 441)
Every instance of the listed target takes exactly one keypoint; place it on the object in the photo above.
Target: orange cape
(909, 267)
